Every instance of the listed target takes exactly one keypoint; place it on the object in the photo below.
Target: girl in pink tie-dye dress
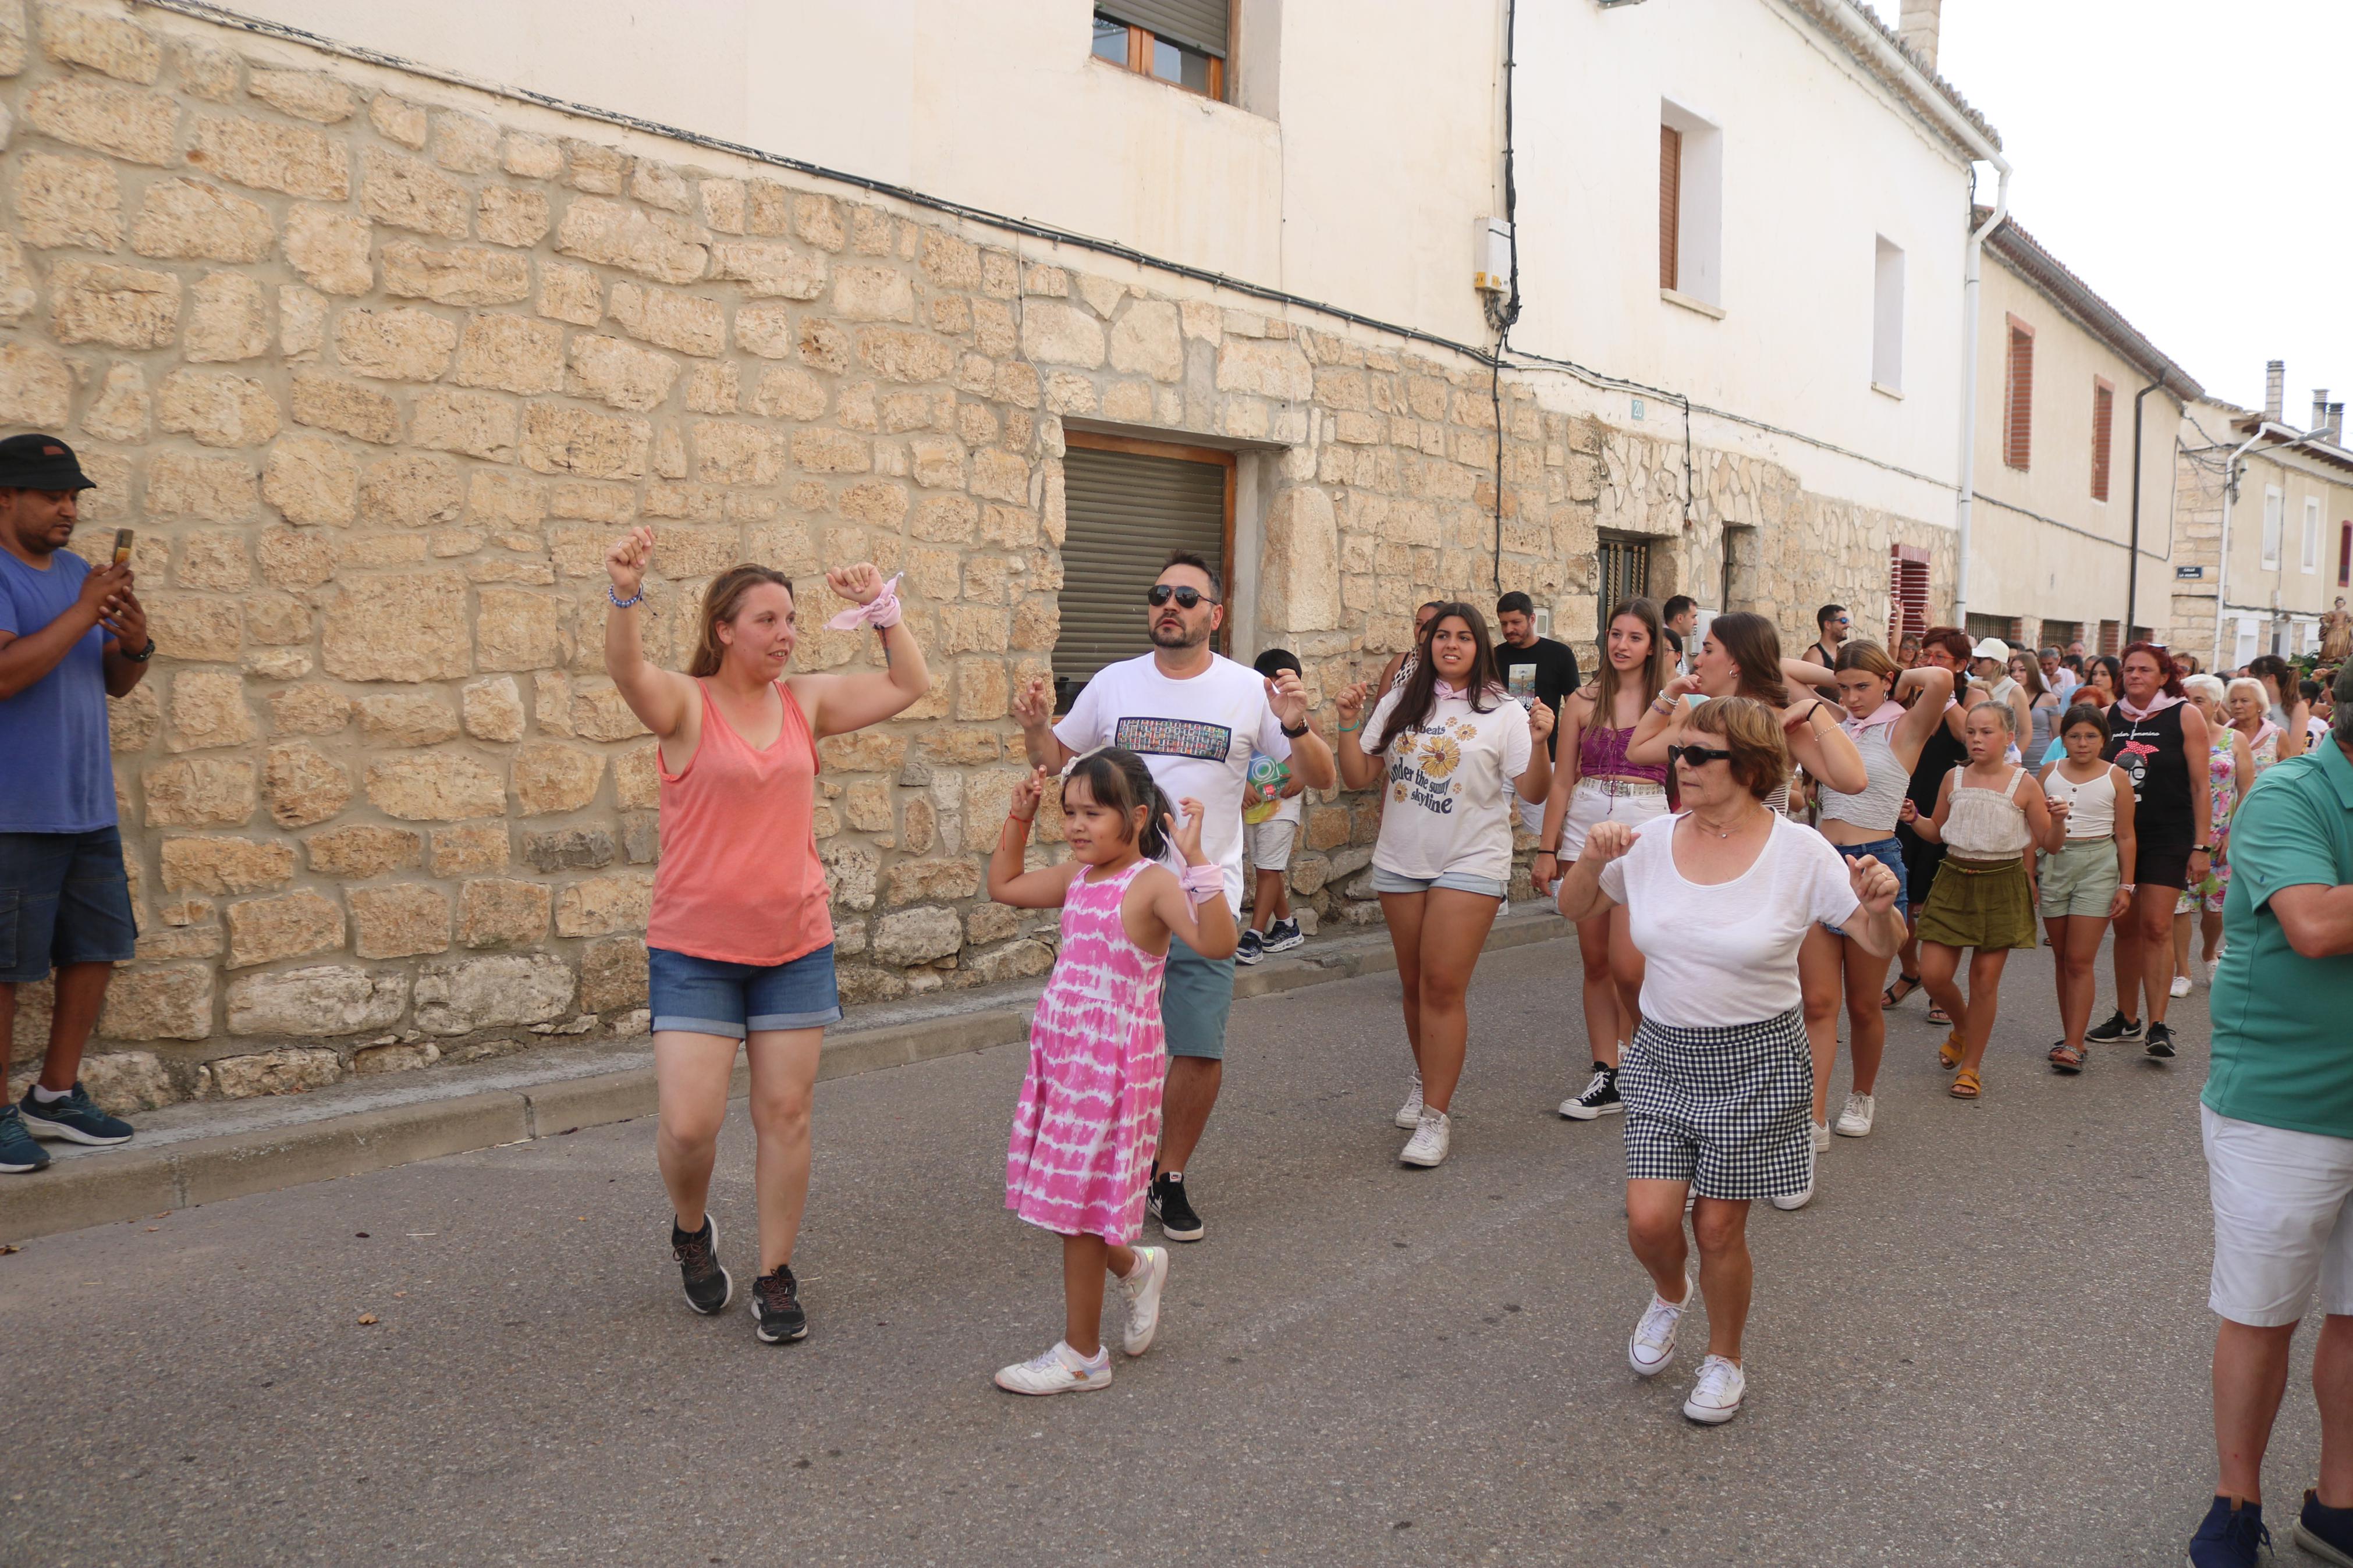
(1089, 1116)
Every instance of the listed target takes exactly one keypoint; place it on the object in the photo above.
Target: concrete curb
(103, 1189)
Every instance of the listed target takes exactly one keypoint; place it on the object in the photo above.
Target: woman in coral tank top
(740, 943)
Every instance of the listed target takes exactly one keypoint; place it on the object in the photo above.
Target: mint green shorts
(2081, 880)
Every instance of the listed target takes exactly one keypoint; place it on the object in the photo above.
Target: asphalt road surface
(1984, 1343)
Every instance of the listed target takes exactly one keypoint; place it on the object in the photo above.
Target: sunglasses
(1697, 756)
(1187, 598)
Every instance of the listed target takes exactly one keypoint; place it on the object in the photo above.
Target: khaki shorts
(2081, 880)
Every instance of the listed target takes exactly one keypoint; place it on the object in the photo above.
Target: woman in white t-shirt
(1718, 1082)
(1456, 749)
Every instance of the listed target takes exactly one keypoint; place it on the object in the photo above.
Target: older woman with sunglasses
(1718, 1081)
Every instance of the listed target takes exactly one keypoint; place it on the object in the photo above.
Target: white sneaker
(2180, 986)
(1143, 1289)
(1060, 1369)
(1854, 1122)
(1821, 1136)
(1715, 1399)
(1408, 1115)
(2212, 964)
(1794, 1201)
(1653, 1344)
(1430, 1137)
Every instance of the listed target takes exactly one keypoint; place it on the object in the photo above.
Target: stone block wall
(378, 367)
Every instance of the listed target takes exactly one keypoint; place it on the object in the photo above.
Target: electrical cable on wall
(1502, 317)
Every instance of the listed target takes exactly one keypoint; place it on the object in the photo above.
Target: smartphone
(122, 538)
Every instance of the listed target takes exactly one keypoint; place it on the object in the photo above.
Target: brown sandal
(2066, 1058)
(1949, 1054)
(1965, 1084)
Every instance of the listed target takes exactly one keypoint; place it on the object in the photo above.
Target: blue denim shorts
(63, 900)
(707, 996)
(1452, 881)
(1888, 852)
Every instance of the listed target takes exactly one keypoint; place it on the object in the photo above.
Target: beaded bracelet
(621, 603)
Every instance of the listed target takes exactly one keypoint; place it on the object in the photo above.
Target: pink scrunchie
(1204, 882)
(882, 610)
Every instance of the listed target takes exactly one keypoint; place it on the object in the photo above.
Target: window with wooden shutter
(1180, 42)
(1127, 505)
(2111, 638)
(1670, 205)
(2017, 409)
(1907, 593)
(2345, 555)
(2103, 412)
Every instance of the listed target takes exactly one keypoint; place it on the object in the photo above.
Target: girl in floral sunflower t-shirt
(1448, 747)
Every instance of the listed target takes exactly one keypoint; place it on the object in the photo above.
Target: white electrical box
(1490, 256)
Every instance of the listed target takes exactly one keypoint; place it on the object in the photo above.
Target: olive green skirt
(1983, 904)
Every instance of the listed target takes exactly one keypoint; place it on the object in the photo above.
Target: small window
(2345, 555)
(2103, 417)
(1180, 42)
(2311, 562)
(1624, 563)
(1691, 207)
(1907, 592)
(2274, 510)
(2018, 405)
(1887, 317)
(2112, 637)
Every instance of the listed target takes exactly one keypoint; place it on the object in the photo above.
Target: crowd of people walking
(1818, 818)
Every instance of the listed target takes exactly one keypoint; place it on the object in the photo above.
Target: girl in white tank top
(2087, 882)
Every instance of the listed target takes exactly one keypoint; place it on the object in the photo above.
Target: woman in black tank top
(2152, 736)
(1945, 648)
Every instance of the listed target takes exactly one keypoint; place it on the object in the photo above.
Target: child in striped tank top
(1088, 1119)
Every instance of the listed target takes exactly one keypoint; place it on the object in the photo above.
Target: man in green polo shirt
(2277, 1120)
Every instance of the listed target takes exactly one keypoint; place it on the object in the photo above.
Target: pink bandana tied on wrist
(882, 610)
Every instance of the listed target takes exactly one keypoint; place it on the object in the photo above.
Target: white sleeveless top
(1987, 824)
(1880, 800)
(2091, 807)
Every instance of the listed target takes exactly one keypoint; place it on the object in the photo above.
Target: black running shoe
(2117, 1029)
(776, 1302)
(2160, 1041)
(1284, 935)
(709, 1287)
(18, 1153)
(74, 1119)
(1250, 949)
(1172, 1209)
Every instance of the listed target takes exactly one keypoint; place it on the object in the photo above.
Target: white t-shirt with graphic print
(1449, 785)
(1195, 735)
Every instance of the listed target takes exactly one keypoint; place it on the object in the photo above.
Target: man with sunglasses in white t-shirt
(1195, 716)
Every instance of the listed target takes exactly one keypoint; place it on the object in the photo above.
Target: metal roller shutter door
(1126, 512)
(1197, 24)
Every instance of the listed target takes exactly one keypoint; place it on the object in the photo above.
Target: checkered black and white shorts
(1727, 1110)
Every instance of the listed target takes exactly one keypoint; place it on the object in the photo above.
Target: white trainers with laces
(1408, 1115)
(1715, 1399)
(1854, 1122)
(1432, 1135)
(1799, 1199)
(1143, 1289)
(1060, 1369)
(2180, 986)
(1653, 1344)
(1821, 1136)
